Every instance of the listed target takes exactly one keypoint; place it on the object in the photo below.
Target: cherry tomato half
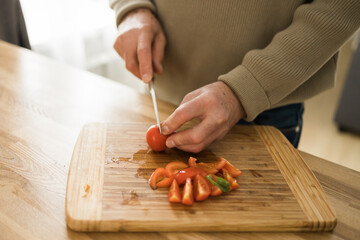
(188, 194)
(202, 188)
(189, 172)
(234, 172)
(174, 167)
(174, 192)
(230, 179)
(155, 140)
(157, 176)
(210, 168)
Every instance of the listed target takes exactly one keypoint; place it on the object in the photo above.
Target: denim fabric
(288, 119)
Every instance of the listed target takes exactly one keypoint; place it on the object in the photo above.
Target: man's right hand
(141, 43)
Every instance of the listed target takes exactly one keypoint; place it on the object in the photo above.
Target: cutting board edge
(328, 215)
(118, 225)
(75, 205)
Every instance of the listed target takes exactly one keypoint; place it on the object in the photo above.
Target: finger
(216, 135)
(131, 62)
(191, 95)
(118, 46)
(193, 136)
(144, 58)
(158, 52)
(181, 115)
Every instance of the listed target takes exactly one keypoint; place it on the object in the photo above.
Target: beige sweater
(269, 52)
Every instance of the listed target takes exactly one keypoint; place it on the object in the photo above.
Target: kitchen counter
(44, 104)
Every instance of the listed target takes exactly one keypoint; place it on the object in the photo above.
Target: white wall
(80, 33)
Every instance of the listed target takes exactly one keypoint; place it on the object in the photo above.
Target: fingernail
(170, 143)
(165, 130)
(146, 78)
(161, 68)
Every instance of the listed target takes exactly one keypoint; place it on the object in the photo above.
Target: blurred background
(77, 32)
(81, 33)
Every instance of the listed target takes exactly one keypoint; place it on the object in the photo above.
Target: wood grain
(270, 198)
(90, 172)
(301, 181)
(43, 106)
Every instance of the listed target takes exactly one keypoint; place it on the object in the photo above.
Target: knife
(153, 96)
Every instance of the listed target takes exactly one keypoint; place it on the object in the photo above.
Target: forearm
(267, 76)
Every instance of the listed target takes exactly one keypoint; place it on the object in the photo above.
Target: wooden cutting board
(278, 191)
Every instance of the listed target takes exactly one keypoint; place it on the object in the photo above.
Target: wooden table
(44, 104)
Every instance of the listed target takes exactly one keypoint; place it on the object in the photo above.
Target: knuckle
(195, 139)
(181, 114)
(162, 38)
(130, 65)
(211, 99)
(221, 121)
(142, 50)
(188, 97)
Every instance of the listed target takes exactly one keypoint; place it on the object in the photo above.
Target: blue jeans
(288, 119)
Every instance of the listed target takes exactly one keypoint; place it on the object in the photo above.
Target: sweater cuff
(121, 8)
(251, 94)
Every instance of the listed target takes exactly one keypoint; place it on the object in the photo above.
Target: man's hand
(141, 43)
(218, 109)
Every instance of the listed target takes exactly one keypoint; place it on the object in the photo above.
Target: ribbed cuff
(249, 91)
(121, 8)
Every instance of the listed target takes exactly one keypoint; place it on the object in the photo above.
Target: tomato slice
(188, 195)
(157, 176)
(166, 182)
(201, 188)
(230, 179)
(174, 192)
(174, 167)
(189, 172)
(192, 161)
(234, 172)
(205, 166)
(219, 164)
(215, 191)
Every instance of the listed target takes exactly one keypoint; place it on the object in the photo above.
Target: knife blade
(153, 96)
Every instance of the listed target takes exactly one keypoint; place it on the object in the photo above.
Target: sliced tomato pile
(200, 180)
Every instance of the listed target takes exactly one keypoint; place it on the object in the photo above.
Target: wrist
(137, 11)
(236, 101)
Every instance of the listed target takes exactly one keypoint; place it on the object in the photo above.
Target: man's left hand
(217, 108)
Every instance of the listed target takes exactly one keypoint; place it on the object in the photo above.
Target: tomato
(230, 179)
(234, 172)
(189, 172)
(155, 140)
(166, 182)
(201, 188)
(215, 191)
(188, 195)
(174, 167)
(174, 192)
(157, 176)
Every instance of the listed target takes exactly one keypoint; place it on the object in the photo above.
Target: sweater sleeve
(267, 76)
(122, 7)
